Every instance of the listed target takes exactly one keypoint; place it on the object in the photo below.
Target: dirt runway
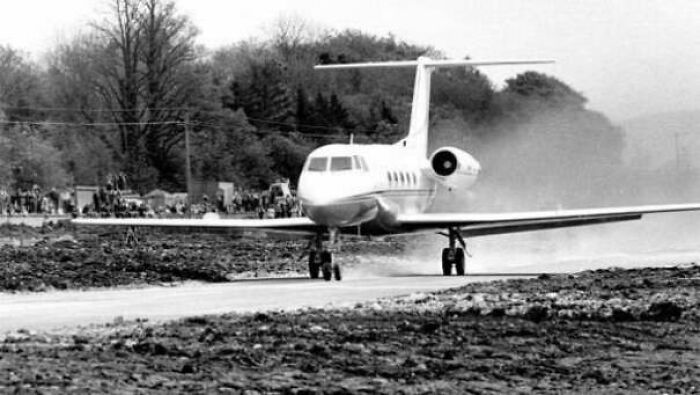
(56, 309)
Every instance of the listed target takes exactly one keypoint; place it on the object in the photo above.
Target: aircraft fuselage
(348, 185)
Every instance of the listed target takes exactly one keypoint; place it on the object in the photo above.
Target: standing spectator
(4, 201)
(220, 205)
(24, 201)
(54, 197)
(264, 200)
(279, 208)
(96, 203)
(254, 201)
(261, 207)
(237, 202)
(248, 201)
(289, 206)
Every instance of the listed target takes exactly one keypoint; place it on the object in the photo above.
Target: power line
(49, 123)
(291, 133)
(330, 128)
(91, 110)
(179, 123)
(154, 109)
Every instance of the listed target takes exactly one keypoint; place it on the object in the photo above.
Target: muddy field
(64, 258)
(608, 331)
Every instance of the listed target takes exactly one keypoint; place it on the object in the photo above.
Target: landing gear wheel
(336, 272)
(327, 265)
(446, 262)
(459, 262)
(314, 265)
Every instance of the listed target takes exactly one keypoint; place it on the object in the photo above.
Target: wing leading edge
(481, 224)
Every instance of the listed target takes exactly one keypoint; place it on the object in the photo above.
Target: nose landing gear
(453, 255)
(314, 264)
(321, 260)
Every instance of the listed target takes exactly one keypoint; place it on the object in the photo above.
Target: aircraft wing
(300, 225)
(481, 224)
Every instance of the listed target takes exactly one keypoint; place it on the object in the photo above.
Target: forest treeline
(118, 97)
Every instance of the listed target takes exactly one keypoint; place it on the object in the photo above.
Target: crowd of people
(113, 199)
(266, 204)
(34, 201)
(110, 200)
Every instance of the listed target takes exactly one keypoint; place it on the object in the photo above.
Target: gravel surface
(608, 331)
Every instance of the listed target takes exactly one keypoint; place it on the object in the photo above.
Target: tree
(541, 87)
(20, 85)
(262, 91)
(303, 109)
(225, 148)
(287, 155)
(468, 90)
(28, 159)
(141, 63)
(289, 33)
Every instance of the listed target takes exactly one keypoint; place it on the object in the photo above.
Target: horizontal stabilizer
(431, 63)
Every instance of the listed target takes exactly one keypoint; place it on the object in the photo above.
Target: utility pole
(187, 158)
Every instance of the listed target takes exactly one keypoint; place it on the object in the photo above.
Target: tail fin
(417, 137)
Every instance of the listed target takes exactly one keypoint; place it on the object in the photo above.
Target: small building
(211, 189)
(83, 195)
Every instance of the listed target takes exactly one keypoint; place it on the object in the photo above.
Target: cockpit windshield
(318, 164)
(337, 163)
(340, 163)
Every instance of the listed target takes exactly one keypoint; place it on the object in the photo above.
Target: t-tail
(417, 138)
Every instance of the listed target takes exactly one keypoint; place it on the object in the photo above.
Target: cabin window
(415, 179)
(388, 176)
(318, 164)
(395, 177)
(403, 180)
(340, 163)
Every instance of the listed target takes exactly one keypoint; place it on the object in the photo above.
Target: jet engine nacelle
(454, 168)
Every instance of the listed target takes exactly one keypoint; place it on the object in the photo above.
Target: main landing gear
(453, 255)
(321, 260)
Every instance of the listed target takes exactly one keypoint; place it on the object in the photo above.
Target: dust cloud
(409, 263)
(565, 160)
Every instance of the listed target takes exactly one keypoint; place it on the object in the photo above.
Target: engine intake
(444, 163)
(454, 168)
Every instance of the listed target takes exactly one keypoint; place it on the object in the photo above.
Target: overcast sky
(630, 58)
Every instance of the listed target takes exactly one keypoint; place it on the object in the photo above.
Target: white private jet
(381, 189)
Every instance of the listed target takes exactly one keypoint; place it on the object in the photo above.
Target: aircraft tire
(459, 262)
(314, 266)
(327, 265)
(446, 262)
(337, 274)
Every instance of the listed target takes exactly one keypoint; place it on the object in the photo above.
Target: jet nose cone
(342, 212)
(320, 189)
